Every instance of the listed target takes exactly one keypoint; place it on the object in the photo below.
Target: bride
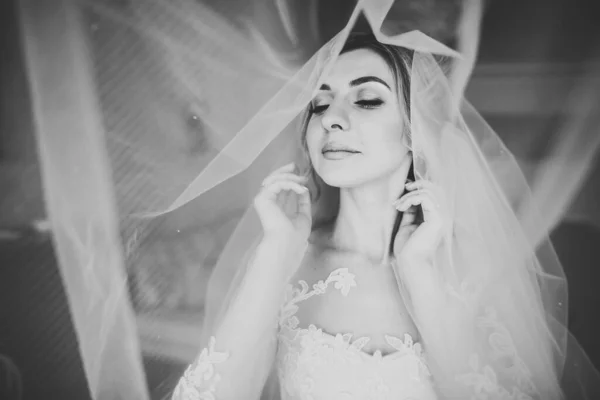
(388, 259)
(388, 294)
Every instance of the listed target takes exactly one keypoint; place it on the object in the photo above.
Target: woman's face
(355, 134)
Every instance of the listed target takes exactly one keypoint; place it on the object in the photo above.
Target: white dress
(314, 365)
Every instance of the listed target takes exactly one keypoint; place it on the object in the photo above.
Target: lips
(338, 148)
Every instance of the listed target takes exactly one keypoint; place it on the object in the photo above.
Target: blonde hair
(399, 60)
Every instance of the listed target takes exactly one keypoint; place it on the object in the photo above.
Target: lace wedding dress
(314, 365)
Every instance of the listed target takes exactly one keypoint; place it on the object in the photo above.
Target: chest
(362, 300)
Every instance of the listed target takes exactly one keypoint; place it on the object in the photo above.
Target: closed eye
(319, 109)
(369, 103)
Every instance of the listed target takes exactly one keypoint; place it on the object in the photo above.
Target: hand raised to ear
(416, 240)
(284, 206)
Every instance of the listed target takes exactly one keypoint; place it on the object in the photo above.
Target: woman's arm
(443, 322)
(471, 350)
(241, 349)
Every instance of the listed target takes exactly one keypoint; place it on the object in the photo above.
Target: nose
(335, 118)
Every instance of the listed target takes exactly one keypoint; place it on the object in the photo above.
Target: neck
(366, 217)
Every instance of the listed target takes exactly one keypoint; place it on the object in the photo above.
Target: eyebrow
(360, 81)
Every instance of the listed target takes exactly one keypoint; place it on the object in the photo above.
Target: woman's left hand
(416, 244)
(417, 241)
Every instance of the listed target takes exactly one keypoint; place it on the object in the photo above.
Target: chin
(346, 175)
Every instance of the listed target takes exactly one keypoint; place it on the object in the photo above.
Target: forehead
(358, 63)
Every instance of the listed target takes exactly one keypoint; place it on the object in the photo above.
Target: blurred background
(538, 66)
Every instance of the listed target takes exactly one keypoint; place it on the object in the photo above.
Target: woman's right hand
(284, 207)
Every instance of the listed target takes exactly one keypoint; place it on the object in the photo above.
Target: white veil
(120, 193)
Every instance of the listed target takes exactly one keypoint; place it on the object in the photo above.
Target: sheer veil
(246, 90)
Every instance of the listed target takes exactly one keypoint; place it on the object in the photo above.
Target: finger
(409, 195)
(277, 187)
(420, 184)
(432, 190)
(405, 232)
(422, 198)
(286, 168)
(284, 176)
(402, 236)
(430, 210)
(412, 199)
(304, 204)
(409, 216)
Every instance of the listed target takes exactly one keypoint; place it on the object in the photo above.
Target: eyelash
(370, 103)
(367, 104)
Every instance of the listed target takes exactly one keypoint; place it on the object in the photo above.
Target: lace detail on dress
(342, 279)
(313, 364)
(465, 294)
(200, 381)
(502, 374)
(343, 344)
(509, 379)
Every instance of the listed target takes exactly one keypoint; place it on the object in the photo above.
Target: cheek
(385, 145)
(313, 139)
(384, 138)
